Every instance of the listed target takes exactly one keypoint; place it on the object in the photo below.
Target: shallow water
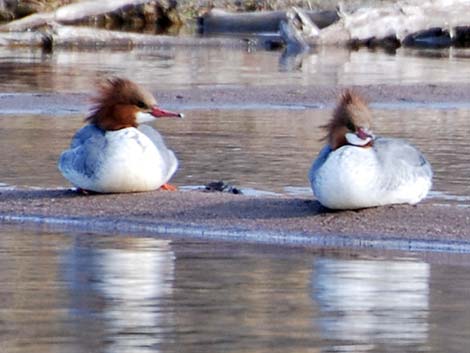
(268, 147)
(265, 147)
(267, 150)
(71, 292)
(29, 70)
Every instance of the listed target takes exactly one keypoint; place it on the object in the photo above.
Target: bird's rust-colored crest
(350, 113)
(116, 103)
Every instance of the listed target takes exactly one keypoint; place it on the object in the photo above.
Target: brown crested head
(121, 103)
(350, 123)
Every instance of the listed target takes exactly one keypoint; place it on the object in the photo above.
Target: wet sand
(313, 96)
(284, 219)
(240, 97)
(273, 219)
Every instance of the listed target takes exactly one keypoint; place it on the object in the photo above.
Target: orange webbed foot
(168, 187)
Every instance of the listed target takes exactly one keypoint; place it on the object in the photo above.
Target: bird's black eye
(141, 105)
(350, 126)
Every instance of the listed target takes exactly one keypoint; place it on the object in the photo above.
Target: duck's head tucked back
(121, 103)
(351, 122)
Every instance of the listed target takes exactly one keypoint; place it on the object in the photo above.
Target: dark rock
(221, 186)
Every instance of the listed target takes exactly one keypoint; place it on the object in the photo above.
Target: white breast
(126, 161)
(346, 178)
(355, 177)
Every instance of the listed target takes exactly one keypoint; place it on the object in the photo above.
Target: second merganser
(113, 153)
(357, 170)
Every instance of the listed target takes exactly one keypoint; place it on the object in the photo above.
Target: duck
(356, 169)
(115, 152)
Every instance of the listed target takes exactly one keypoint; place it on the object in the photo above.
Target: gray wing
(400, 158)
(83, 157)
(169, 158)
(86, 133)
(319, 161)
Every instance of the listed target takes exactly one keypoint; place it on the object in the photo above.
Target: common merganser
(357, 170)
(113, 153)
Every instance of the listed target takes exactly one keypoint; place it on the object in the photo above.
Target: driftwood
(29, 39)
(424, 23)
(435, 23)
(298, 31)
(220, 21)
(78, 11)
(83, 37)
(429, 23)
(69, 14)
(28, 23)
(69, 36)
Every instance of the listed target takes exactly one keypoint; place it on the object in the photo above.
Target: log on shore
(23, 39)
(73, 13)
(220, 21)
(79, 11)
(29, 22)
(299, 31)
(433, 23)
(70, 36)
(429, 23)
(59, 36)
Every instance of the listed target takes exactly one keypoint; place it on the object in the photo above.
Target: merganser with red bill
(358, 170)
(114, 153)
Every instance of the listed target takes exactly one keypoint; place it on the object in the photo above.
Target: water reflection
(82, 293)
(30, 70)
(384, 303)
(130, 281)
